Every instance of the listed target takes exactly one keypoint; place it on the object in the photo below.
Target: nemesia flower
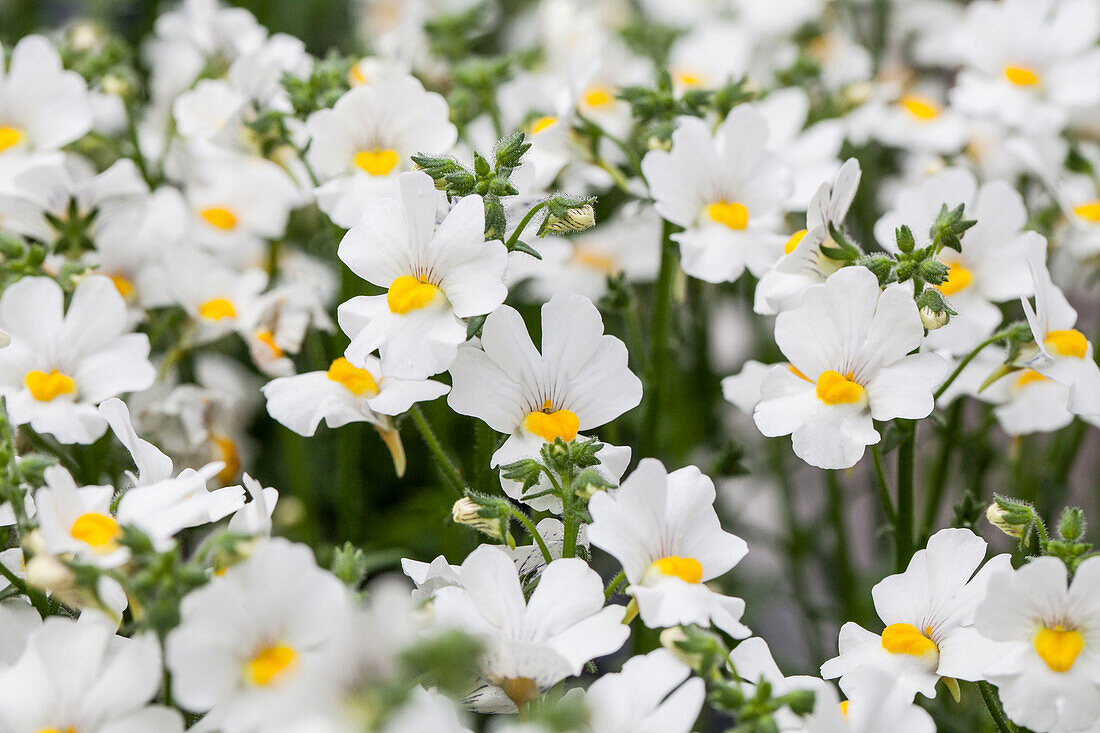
(62, 363)
(436, 273)
(1046, 664)
(531, 644)
(42, 106)
(361, 145)
(254, 518)
(727, 191)
(709, 55)
(251, 635)
(1063, 353)
(879, 705)
(663, 529)
(848, 345)
(79, 676)
(18, 616)
(579, 381)
(654, 693)
(809, 152)
(929, 613)
(219, 298)
(992, 266)
(754, 664)
(344, 394)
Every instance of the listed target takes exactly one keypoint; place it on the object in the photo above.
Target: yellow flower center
(921, 108)
(70, 729)
(267, 338)
(541, 124)
(269, 664)
(599, 96)
(1022, 76)
(907, 639)
(217, 309)
(731, 213)
(355, 380)
(688, 78)
(833, 388)
(687, 569)
(1070, 342)
(219, 217)
(595, 260)
(844, 708)
(376, 162)
(44, 387)
(549, 424)
(356, 77)
(227, 451)
(793, 242)
(123, 285)
(1029, 376)
(408, 293)
(1059, 647)
(98, 531)
(1090, 211)
(9, 136)
(958, 278)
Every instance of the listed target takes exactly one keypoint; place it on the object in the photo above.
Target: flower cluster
(543, 240)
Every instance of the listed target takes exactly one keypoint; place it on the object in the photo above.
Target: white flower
(1063, 353)
(727, 191)
(848, 345)
(663, 529)
(1028, 63)
(18, 617)
(915, 120)
(78, 521)
(709, 55)
(250, 636)
(61, 364)
(345, 394)
(531, 645)
(578, 382)
(803, 264)
(436, 273)
(218, 297)
(809, 152)
(254, 518)
(742, 390)
(754, 663)
(879, 705)
(1047, 665)
(361, 145)
(929, 612)
(79, 676)
(42, 106)
(992, 267)
(654, 693)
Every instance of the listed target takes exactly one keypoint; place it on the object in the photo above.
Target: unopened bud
(934, 319)
(672, 639)
(1005, 520)
(468, 512)
(1071, 527)
(50, 574)
(572, 220)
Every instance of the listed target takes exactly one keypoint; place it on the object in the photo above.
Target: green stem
(903, 528)
(659, 356)
(523, 224)
(23, 587)
(883, 486)
(845, 574)
(139, 158)
(993, 705)
(446, 466)
(939, 476)
(530, 527)
(614, 585)
(966, 361)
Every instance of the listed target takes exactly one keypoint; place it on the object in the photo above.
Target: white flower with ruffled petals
(663, 529)
(654, 693)
(879, 705)
(848, 346)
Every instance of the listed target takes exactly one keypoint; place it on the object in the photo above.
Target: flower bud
(1005, 520)
(1071, 527)
(468, 512)
(934, 319)
(672, 638)
(572, 220)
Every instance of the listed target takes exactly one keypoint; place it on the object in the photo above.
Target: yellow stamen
(688, 78)
(794, 370)
(731, 213)
(844, 708)
(1090, 211)
(1028, 376)
(217, 308)
(123, 285)
(44, 387)
(219, 217)
(408, 293)
(269, 664)
(541, 124)
(1059, 647)
(958, 278)
(356, 77)
(834, 388)
(687, 569)
(9, 136)
(357, 381)
(549, 425)
(599, 96)
(376, 162)
(922, 108)
(1070, 342)
(906, 639)
(1022, 76)
(227, 451)
(264, 336)
(793, 242)
(97, 531)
